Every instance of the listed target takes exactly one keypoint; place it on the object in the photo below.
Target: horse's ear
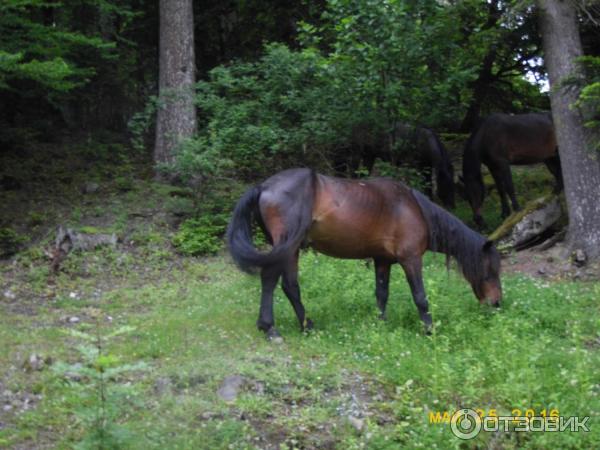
(488, 245)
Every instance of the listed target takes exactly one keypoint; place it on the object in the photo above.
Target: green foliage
(100, 394)
(407, 175)
(44, 53)
(589, 97)
(279, 111)
(201, 236)
(401, 57)
(366, 64)
(141, 122)
(10, 242)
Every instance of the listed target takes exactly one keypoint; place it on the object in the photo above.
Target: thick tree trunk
(176, 115)
(580, 164)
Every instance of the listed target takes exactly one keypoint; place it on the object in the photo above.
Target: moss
(506, 227)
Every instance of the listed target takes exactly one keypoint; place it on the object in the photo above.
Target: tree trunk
(176, 115)
(580, 164)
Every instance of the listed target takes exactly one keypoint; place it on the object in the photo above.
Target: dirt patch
(552, 264)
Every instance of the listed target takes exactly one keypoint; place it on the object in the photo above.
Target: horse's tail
(239, 234)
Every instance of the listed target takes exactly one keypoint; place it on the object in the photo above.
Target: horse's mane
(449, 235)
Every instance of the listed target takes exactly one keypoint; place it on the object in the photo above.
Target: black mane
(449, 235)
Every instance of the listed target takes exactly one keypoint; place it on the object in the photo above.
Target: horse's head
(445, 188)
(475, 192)
(487, 287)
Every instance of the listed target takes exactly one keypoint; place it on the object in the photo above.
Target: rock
(230, 387)
(536, 222)
(73, 319)
(10, 294)
(163, 386)
(524, 226)
(34, 363)
(90, 187)
(579, 258)
(357, 423)
(68, 239)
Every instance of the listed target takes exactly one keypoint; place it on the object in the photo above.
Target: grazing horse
(380, 219)
(410, 146)
(502, 140)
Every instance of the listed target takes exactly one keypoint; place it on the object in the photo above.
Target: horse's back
(520, 139)
(362, 219)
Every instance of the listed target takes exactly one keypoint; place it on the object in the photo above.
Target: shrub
(10, 242)
(201, 236)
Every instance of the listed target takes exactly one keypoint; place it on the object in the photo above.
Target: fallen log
(68, 240)
(529, 226)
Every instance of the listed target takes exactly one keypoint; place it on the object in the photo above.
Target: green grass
(194, 326)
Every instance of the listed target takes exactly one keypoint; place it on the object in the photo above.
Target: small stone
(579, 258)
(7, 407)
(74, 319)
(207, 415)
(541, 271)
(230, 387)
(162, 386)
(73, 295)
(357, 423)
(34, 363)
(90, 187)
(10, 294)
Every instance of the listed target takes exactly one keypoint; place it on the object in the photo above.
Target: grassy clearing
(194, 326)
(136, 341)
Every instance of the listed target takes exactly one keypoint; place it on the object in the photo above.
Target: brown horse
(380, 219)
(502, 140)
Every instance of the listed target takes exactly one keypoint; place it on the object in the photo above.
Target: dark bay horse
(502, 140)
(380, 219)
(416, 147)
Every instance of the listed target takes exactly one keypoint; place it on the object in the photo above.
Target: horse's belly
(348, 242)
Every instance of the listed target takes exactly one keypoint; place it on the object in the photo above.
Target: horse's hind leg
(413, 268)
(382, 282)
(268, 277)
(553, 165)
(291, 288)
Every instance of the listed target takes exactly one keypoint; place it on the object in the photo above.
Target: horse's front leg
(268, 277)
(382, 282)
(499, 180)
(413, 267)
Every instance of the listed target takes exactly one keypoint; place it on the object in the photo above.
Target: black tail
(239, 234)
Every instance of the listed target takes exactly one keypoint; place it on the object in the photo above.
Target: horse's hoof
(274, 336)
(308, 325)
(382, 316)
(428, 330)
